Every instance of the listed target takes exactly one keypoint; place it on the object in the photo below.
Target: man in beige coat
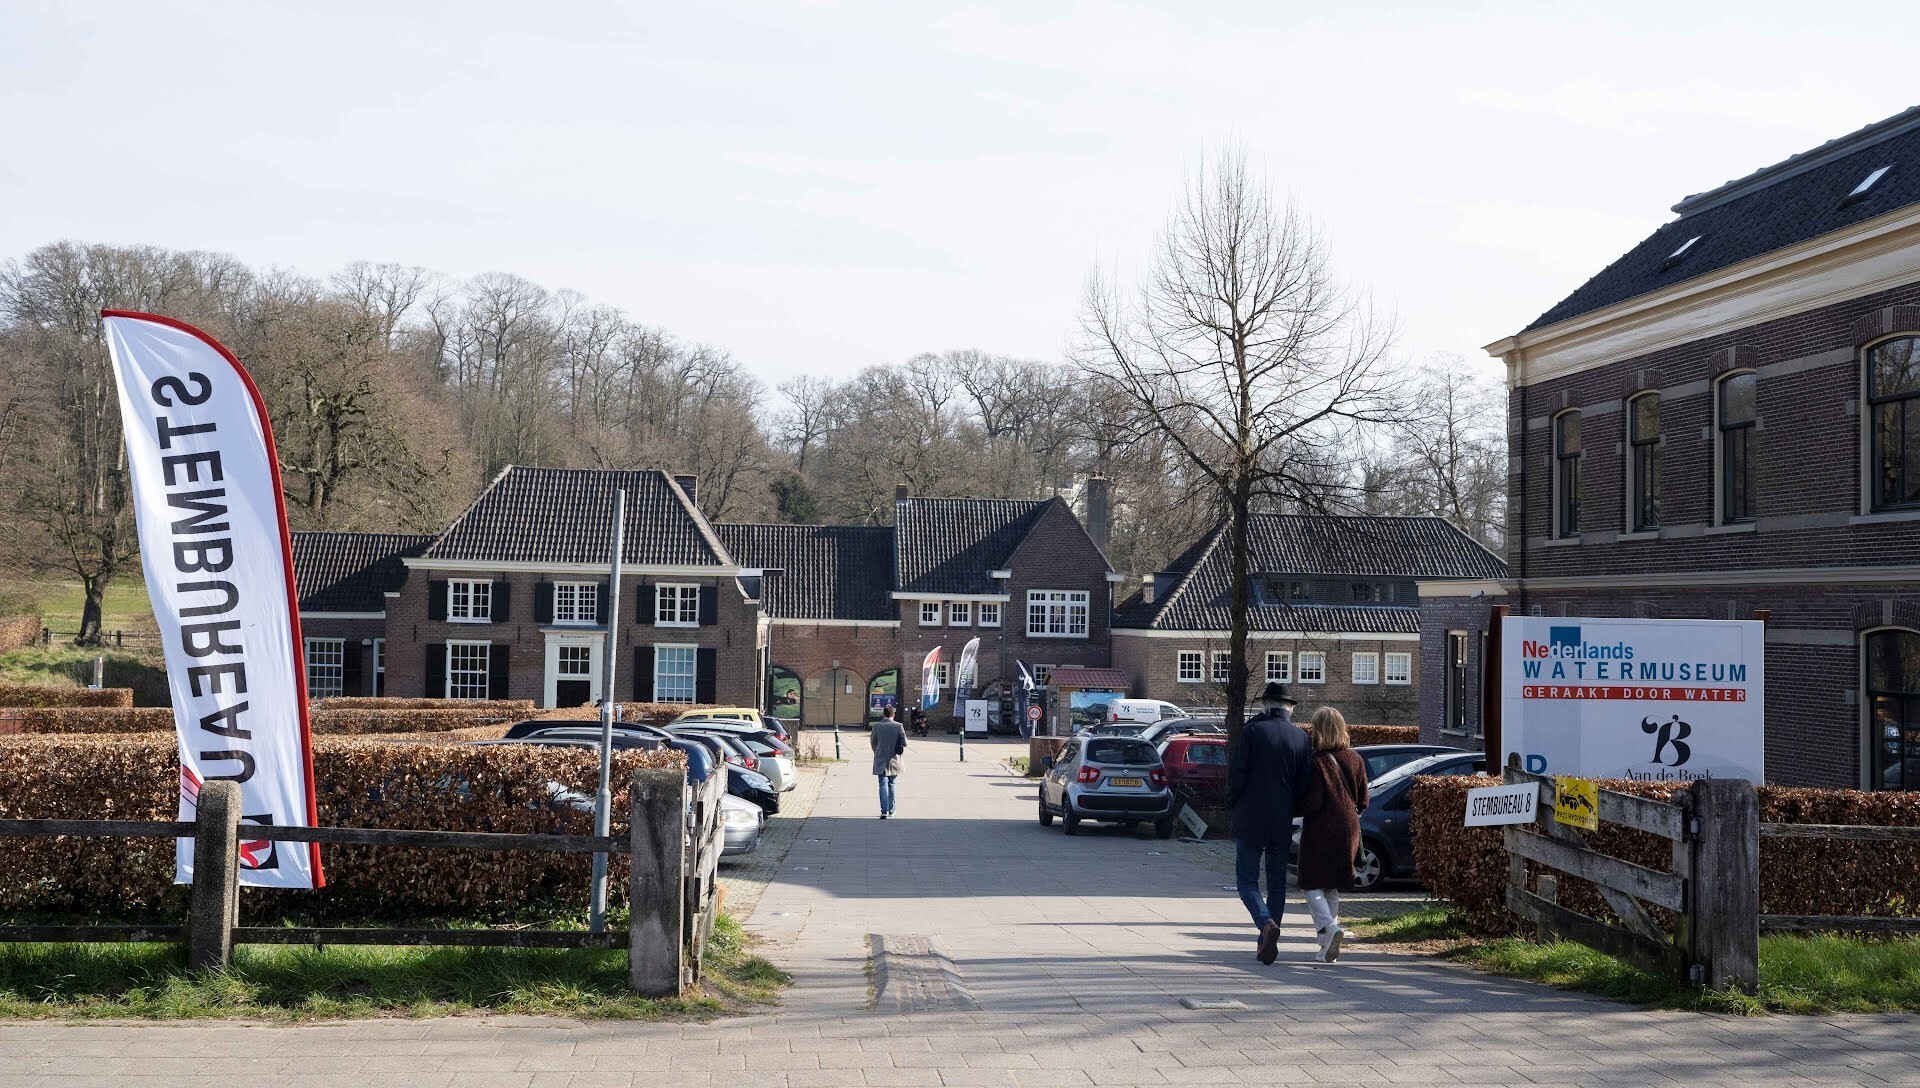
(889, 740)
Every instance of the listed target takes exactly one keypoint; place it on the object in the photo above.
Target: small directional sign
(1576, 803)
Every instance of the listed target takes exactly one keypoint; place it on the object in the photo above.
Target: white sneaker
(1321, 936)
(1333, 943)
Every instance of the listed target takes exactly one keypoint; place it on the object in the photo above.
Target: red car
(1196, 761)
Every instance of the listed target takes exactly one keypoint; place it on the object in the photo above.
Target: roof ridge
(700, 522)
(1186, 580)
(1839, 147)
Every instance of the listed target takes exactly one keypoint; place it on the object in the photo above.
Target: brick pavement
(1076, 950)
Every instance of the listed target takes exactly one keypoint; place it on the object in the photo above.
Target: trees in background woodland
(395, 394)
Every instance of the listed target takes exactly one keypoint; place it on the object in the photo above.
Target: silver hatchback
(1114, 779)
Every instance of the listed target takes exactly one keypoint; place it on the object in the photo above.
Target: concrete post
(656, 907)
(214, 900)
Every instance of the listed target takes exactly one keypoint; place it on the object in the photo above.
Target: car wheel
(1163, 828)
(1069, 819)
(1369, 867)
(1046, 818)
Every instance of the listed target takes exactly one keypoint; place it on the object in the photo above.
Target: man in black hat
(1269, 770)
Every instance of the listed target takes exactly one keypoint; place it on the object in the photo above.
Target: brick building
(1727, 419)
(1335, 612)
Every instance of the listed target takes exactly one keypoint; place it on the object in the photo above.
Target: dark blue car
(1386, 839)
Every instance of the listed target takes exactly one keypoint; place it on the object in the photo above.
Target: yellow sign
(1576, 803)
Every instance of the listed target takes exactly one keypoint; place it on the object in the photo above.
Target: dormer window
(1679, 254)
(1865, 188)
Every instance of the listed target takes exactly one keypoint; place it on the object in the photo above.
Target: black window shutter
(437, 601)
(437, 663)
(643, 674)
(497, 670)
(600, 612)
(709, 605)
(643, 606)
(502, 607)
(350, 651)
(543, 602)
(706, 675)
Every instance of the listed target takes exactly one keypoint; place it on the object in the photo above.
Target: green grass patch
(1020, 765)
(1432, 922)
(93, 981)
(124, 608)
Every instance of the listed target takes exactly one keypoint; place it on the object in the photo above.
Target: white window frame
(1397, 669)
(988, 609)
(1197, 674)
(1370, 674)
(671, 599)
(1284, 659)
(1042, 674)
(1222, 669)
(588, 593)
(1066, 609)
(930, 614)
(1314, 661)
(315, 669)
(485, 671)
(379, 667)
(660, 654)
(959, 614)
(469, 600)
(942, 675)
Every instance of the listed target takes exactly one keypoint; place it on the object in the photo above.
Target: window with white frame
(467, 669)
(929, 613)
(1042, 674)
(1279, 667)
(1366, 668)
(579, 602)
(326, 667)
(940, 673)
(1313, 667)
(1222, 665)
(673, 673)
(959, 614)
(469, 601)
(574, 662)
(1189, 667)
(1399, 668)
(1057, 613)
(379, 666)
(676, 604)
(989, 613)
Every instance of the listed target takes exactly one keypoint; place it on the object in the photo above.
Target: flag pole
(603, 800)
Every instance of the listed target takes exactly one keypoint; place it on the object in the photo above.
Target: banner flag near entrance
(219, 567)
(929, 694)
(963, 676)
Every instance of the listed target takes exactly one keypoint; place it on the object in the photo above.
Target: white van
(1144, 711)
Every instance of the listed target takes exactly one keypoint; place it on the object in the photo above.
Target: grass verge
(1812, 975)
(95, 981)
(1020, 765)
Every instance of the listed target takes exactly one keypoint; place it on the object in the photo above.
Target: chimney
(900, 493)
(1099, 512)
(690, 485)
(1146, 588)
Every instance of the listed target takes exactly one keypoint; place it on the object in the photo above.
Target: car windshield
(1207, 753)
(1120, 750)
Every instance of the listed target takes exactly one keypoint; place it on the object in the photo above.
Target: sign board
(977, 717)
(1034, 713)
(1491, 806)
(1191, 820)
(1653, 700)
(1576, 803)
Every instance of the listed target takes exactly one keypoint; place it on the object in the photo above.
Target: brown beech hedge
(1384, 734)
(154, 719)
(46, 695)
(360, 783)
(522, 707)
(1468, 868)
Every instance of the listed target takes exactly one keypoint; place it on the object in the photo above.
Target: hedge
(19, 631)
(644, 713)
(361, 783)
(505, 707)
(151, 719)
(46, 695)
(1383, 734)
(1468, 868)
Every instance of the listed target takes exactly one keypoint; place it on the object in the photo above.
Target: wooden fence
(1844, 923)
(1711, 889)
(674, 843)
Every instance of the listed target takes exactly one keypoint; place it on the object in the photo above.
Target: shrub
(91, 719)
(1384, 734)
(643, 713)
(1468, 867)
(503, 707)
(12, 695)
(17, 631)
(360, 782)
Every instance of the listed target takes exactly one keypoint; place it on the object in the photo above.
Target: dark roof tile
(828, 572)
(351, 572)
(563, 515)
(951, 545)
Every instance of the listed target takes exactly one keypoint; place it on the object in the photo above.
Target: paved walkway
(1015, 956)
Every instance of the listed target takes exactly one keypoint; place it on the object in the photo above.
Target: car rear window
(1207, 753)
(1120, 750)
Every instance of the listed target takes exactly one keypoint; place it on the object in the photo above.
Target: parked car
(1113, 729)
(747, 785)
(1386, 840)
(1144, 711)
(747, 714)
(1196, 762)
(737, 728)
(1115, 779)
(1382, 758)
(741, 822)
(700, 759)
(1159, 733)
(761, 756)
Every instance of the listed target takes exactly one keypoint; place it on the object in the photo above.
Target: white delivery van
(1144, 711)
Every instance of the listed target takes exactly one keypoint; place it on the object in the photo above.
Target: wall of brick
(352, 634)
(813, 650)
(1153, 666)
(1438, 616)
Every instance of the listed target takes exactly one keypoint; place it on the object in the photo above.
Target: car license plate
(1123, 782)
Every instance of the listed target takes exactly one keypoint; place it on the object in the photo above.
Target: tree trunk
(1240, 507)
(90, 612)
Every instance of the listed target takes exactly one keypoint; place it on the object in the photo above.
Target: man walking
(1269, 770)
(888, 740)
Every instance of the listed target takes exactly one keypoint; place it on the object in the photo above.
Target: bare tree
(1449, 456)
(1249, 359)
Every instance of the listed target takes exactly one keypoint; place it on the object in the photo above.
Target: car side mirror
(1046, 764)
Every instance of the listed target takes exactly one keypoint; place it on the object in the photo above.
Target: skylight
(1866, 185)
(1674, 257)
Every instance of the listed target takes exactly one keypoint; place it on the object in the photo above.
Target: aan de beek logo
(1672, 734)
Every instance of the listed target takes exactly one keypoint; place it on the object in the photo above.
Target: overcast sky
(821, 186)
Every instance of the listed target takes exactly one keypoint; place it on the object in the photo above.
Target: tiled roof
(828, 572)
(1312, 544)
(1779, 206)
(950, 545)
(1089, 679)
(351, 572)
(564, 515)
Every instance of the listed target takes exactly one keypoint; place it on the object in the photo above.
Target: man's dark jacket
(1268, 772)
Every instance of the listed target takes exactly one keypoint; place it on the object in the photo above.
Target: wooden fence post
(1726, 883)
(214, 899)
(656, 950)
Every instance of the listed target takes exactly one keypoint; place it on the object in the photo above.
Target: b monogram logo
(1673, 733)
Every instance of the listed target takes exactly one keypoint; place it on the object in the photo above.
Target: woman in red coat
(1330, 825)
